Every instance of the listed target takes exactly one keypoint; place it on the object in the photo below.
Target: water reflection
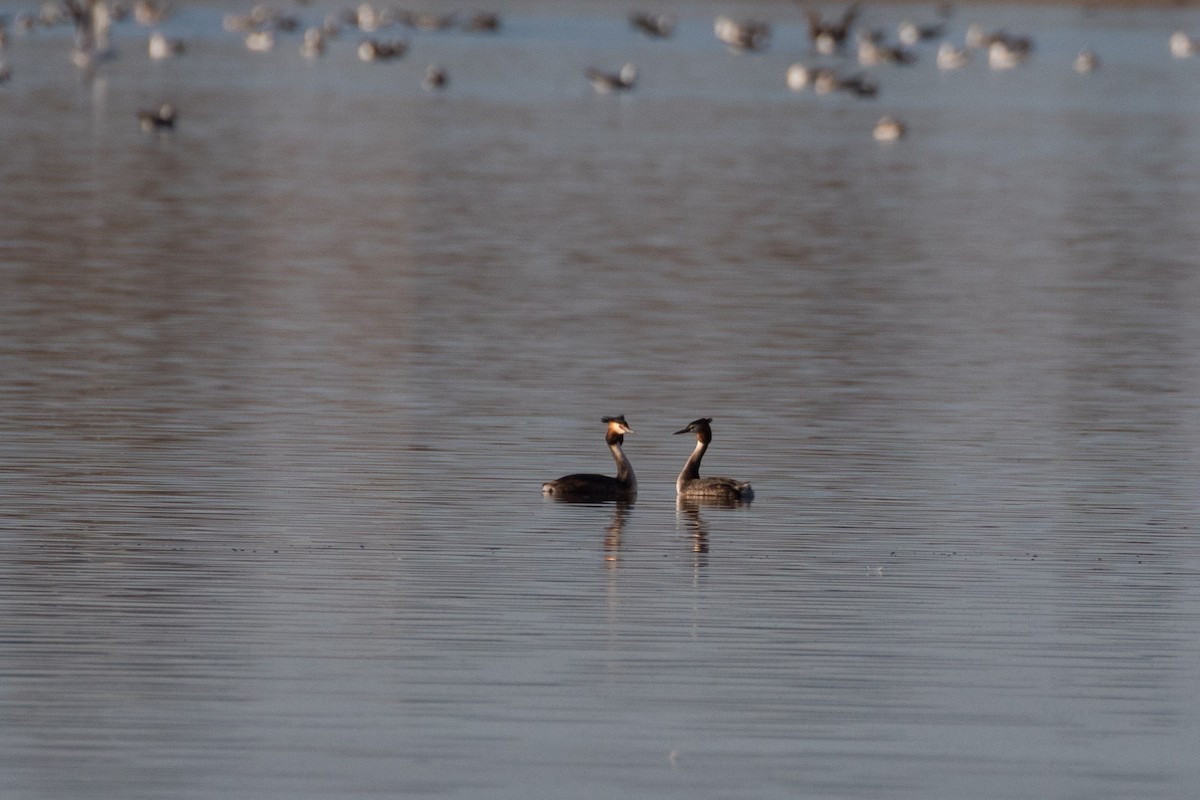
(614, 532)
(687, 512)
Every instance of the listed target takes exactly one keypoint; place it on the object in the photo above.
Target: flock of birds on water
(836, 35)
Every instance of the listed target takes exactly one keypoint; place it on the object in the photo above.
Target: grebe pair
(624, 486)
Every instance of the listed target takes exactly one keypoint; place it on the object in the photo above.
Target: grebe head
(617, 428)
(700, 427)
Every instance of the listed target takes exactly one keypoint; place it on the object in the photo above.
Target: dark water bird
(829, 36)
(376, 50)
(158, 119)
(656, 26)
(691, 485)
(428, 21)
(873, 51)
(826, 80)
(911, 34)
(482, 22)
(161, 47)
(436, 78)
(608, 82)
(586, 486)
(1004, 50)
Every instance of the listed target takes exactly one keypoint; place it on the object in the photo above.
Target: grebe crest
(691, 485)
(591, 487)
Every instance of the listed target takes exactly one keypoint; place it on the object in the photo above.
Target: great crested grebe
(584, 486)
(690, 484)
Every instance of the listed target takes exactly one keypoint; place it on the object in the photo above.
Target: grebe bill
(690, 484)
(586, 486)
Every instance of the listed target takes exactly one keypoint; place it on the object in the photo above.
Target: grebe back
(586, 486)
(690, 484)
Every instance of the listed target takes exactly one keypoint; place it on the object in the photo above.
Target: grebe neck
(691, 470)
(624, 468)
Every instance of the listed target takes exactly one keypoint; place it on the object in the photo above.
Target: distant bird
(741, 37)
(482, 22)
(260, 41)
(429, 21)
(656, 26)
(950, 57)
(607, 82)
(979, 39)
(801, 76)
(160, 47)
(689, 483)
(1006, 53)
(435, 78)
(829, 36)
(150, 12)
(889, 129)
(313, 45)
(158, 119)
(910, 34)
(376, 50)
(873, 51)
(826, 80)
(1182, 45)
(1086, 62)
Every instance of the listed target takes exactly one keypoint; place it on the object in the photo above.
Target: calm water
(279, 390)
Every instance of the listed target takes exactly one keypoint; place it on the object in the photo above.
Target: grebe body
(586, 486)
(691, 485)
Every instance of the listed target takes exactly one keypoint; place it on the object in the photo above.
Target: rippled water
(279, 390)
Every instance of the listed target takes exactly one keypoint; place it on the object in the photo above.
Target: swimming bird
(1008, 53)
(741, 37)
(157, 119)
(376, 50)
(260, 41)
(826, 80)
(1182, 45)
(889, 129)
(149, 12)
(951, 57)
(910, 33)
(827, 36)
(1086, 62)
(482, 22)
(313, 45)
(873, 51)
(160, 47)
(436, 78)
(586, 486)
(655, 26)
(690, 484)
(607, 82)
